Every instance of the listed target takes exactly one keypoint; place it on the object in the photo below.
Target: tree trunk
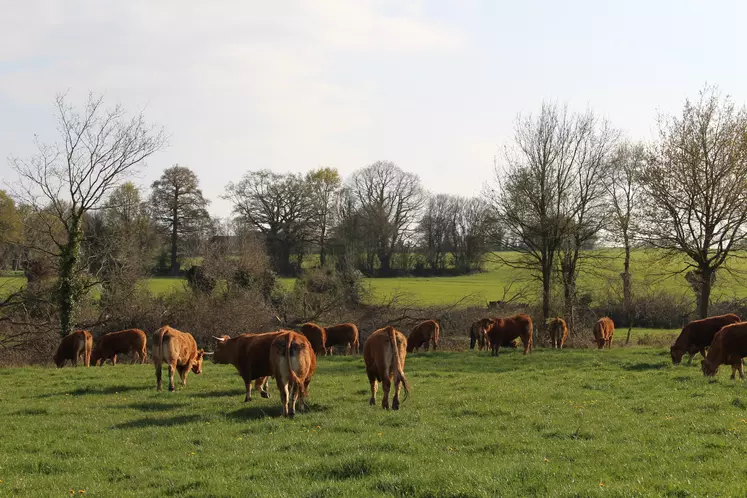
(627, 292)
(385, 260)
(546, 294)
(69, 288)
(322, 249)
(174, 240)
(706, 274)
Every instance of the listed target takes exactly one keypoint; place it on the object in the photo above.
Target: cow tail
(436, 331)
(292, 377)
(399, 374)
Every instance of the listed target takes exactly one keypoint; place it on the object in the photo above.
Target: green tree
(11, 231)
(324, 184)
(179, 207)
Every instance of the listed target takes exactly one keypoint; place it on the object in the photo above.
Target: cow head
(223, 350)
(59, 359)
(677, 354)
(96, 354)
(197, 362)
(708, 368)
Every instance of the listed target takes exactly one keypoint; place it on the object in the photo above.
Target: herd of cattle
(290, 357)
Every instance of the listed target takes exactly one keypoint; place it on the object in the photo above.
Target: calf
(558, 332)
(503, 331)
(72, 346)
(250, 354)
(110, 345)
(697, 335)
(476, 336)
(604, 329)
(316, 336)
(422, 335)
(384, 355)
(293, 363)
(344, 334)
(728, 348)
(179, 351)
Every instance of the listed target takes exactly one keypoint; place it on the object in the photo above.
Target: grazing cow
(604, 329)
(502, 331)
(344, 334)
(728, 348)
(179, 351)
(250, 354)
(73, 345)
(697, 335)
(422, 335)
(293, 363)
(316, 336)
(110, 345)
(558, 332)
(476, 336)
(384, 355)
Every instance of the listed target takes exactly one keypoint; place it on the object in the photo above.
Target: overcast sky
(434, 86)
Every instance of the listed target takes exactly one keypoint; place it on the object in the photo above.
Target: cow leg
(87, 356)
(294, 391)
(183, 372)
(158, 374)
(374, 388)
(75, 358)
(609, 344)
(386, 383)
(527, 345)
(114, 360)
(283, 388)
(172, 367)
(261, 386)
(741, 369)
(395, 399)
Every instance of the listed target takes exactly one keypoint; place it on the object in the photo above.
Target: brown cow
(110, 345)
(79, 342)
(501, 331)
(558, 332)
(384, 355)
(179, 351)
(293, 363)
(422, 335)
(476, 336)
(728, 348)
(316, 336)
(697, 335)
(604, 329)
(343, 334)
(250, 354)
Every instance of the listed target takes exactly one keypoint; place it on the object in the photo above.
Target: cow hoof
(171, 389)
(247, 400)
(291, 414)
(372, 401)
(264, 394)
(395, 405)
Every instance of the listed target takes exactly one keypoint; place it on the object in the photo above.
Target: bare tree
(435, 226)
(178, 206)
(324, 184)
(533, 194)
(694, 183)
(279, 207)
(624, 191)
(99, 148)
(389, 200)
(469, 233)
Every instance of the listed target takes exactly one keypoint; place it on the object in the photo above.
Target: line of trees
(566, 182)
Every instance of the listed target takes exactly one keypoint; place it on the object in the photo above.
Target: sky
(434, 86)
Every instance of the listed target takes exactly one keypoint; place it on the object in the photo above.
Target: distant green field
(589, 423)
(600, 277)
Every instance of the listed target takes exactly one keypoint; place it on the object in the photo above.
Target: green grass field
(601, 276)
(556, 423)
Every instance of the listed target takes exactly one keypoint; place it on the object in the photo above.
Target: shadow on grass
(225, 393)
(642, 366)
(158, 422)
(81, 391)
(153, 407)
(256, 412)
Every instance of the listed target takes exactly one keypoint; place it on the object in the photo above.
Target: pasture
(556, 423)
(601, 276)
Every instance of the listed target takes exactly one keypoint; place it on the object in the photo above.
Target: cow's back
(700, 333)
(341, 334)
(173, 345)
(316, 336)
(123, 341)
(254, 353)
(729, 342)
(378, 352)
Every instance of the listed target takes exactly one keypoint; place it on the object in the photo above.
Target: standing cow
(697, 335)
(384, 355)
(250, 354)
(604, 329)
(343, 334)
(75, 344)
(502, 331)
(293, 363)
(422, 335)
(728, 348)
(316, 336)
(179, 351)
(558, 332)
(477, 335)
(125, 341)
